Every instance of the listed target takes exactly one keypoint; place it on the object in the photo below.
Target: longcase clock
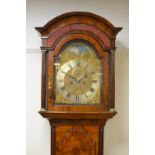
(78, 82)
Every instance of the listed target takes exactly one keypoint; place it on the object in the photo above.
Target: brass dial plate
(78, 75)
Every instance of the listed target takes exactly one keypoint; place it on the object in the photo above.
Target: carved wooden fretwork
(76, 28)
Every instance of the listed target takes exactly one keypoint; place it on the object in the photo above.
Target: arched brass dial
(78, 74)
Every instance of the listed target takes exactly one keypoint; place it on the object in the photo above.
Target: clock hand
(70, 76)
(81, 78)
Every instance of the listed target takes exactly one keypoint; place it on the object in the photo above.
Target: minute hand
(69, 76)
(81, 78)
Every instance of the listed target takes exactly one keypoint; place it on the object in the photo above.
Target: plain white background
(13, 82)
(38, 14)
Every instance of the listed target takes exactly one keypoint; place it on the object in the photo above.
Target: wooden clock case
(78, 129)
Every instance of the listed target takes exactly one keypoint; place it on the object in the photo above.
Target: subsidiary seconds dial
(78, 81)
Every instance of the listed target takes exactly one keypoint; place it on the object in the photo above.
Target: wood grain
(78, 130)
(77, 140)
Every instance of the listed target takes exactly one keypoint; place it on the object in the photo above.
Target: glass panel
(78, 74)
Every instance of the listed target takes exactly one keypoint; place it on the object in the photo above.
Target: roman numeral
(86, 96)
(57, 67)
(69, 65)
(92, 73)
(62, 88)
(94, 81)
(92, 89)
(68, 95)
(78, 64)
(63, 72)
(77, 98)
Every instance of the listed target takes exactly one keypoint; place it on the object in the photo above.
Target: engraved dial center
(80, 84)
